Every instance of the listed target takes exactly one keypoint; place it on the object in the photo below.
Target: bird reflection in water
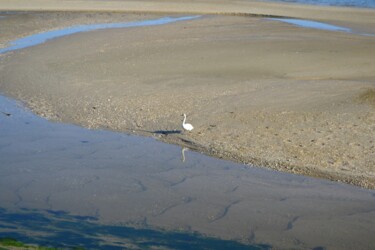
(183, 149)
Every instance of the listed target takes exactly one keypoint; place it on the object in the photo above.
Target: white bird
(187, 126)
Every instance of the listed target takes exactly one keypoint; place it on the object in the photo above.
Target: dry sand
(257, 91)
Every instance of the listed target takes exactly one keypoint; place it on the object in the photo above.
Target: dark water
(344, 3)
(73, 231)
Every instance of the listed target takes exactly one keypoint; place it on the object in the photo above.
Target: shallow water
(312, 24)
(344, 3)
(318, 25)
(40, 38)
(69, 185)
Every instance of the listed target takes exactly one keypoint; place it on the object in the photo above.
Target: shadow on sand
(167, 132)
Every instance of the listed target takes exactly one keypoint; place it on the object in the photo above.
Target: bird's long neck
(184, 119)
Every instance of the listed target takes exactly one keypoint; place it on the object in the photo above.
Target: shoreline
(319, 104)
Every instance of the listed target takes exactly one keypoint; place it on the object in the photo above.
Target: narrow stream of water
(64, 185)
(318, 25)
(40, 38)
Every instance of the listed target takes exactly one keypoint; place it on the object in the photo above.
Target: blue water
(312, 24)
(345, 3)
(44, 36)
(318, 25)
(65, 186)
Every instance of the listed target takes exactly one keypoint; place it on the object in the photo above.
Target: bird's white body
(187, 126)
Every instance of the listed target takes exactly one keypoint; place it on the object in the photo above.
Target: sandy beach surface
(256, 90)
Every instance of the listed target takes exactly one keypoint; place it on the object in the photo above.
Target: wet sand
(257, 91)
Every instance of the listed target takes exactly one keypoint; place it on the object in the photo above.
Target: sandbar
(257, 91)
